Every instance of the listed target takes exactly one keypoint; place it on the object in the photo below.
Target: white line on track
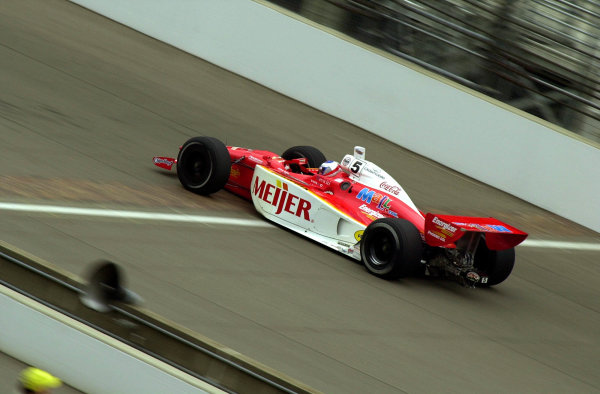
(111, 213)
(536, 243)
(171, 217)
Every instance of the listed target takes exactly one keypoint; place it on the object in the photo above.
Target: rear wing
(445, 230)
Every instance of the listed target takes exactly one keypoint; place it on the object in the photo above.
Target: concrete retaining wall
(456, 127)
(87, 359)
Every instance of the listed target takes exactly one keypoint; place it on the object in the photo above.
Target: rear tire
(203, 165)
(313, 156)
(391, 248)
(496, 264)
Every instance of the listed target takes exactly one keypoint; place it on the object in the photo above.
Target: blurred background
(540, 56)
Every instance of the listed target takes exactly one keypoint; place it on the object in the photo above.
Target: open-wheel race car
(353, 207)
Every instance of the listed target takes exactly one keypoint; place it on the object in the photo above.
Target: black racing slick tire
(313, 156)
(391, 248)
(496, 264)
(203, 165)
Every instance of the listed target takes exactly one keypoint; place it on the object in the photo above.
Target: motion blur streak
(171, 217)
(560, 245)
(110, 213)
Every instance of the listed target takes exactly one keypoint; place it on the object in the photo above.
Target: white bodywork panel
(300, 210)
(373, 176)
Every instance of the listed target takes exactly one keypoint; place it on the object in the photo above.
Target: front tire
(391, 248)
(203, 165)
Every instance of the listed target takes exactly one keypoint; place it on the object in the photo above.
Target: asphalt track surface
(84, 105)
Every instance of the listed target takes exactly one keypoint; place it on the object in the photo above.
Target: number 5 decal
(356, 166)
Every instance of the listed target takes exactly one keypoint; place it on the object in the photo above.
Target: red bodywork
(328, 188)
(363, 203)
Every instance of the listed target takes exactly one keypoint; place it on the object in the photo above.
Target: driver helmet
(330, 167)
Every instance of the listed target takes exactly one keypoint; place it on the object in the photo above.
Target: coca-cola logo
(395, 190)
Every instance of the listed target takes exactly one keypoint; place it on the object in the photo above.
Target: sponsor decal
(358, 235)
(160, 160)
(323, 180)
(473, 276)
(471, 225)
(374, 171)
(279, 196)
(370, 212)
(254, 159)
(366, 195)
(383, 202)
(485, 227)
(444, 225)
(319, 181)
(442, 231)
(436, 236)
(234, 173)
(392, 189)
(369, 196)
(346, 160)
(498, 228)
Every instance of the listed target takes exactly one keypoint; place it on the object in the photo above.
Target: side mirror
(105, 285)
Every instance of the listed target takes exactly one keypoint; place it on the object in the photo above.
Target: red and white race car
(356, 208)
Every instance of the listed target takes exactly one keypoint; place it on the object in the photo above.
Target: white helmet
(330, 167)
